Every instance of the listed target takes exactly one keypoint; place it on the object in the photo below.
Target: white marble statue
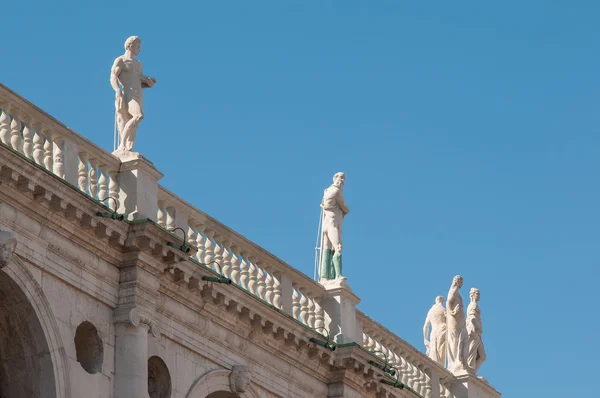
(436, 342)
(457, 339)
(8, 243)
(334, 210)
(127, 71)
(474, 328)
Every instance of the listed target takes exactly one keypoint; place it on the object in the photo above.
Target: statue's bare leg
(122, 118)
(130, 128)
(325, 270)
(336, 241)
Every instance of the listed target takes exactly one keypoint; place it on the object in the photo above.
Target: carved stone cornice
(57, 205)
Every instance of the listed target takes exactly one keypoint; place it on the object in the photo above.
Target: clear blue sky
(468, 134)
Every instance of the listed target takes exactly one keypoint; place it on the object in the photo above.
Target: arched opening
(222, 394)
(159, 379)
(25, 360)
(89, 348)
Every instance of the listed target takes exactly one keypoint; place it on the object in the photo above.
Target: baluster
(28, 141)
(191, 233)
(170, 217)
(268, 285)
(319, 316)
(82, 172)
(93, 178)
(378, 352)
(261, 281)
(406, 371)
(113, 187)
(419, 382)
(161, 214)
(277, 289)
(295, 304)
(38, 146)
(235, 266)
(303, 307)
(394, 360)
(16, 140)
(413, 374)
(103, 185)
(311, 313)
(427, 384)
(244, 267)
(368, 343)
(249, 275)
(218, 253)
(48, 149)
(208, 249)
(5, 128)
(59, 157)
(200, 242)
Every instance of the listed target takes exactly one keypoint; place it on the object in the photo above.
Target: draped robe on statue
(457, 340)
(474, 328)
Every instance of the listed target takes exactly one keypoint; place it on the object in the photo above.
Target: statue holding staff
(334, 210)
(127, 72)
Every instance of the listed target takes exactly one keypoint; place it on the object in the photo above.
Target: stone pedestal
(131, 361)
(471, 386)
(138, 182)
(340, 303)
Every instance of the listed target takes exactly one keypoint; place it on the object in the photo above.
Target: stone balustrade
(248, 265)
(415, 369)
(48, 143)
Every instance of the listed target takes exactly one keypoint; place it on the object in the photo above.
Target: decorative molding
(8, 244)
(240, 378)
(134, 317)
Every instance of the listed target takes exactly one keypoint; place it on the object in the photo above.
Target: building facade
(112, 286)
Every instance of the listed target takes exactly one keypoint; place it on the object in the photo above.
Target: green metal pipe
(220, 279)
(183, 248)
(114, 216)
(325, 344)
(397, 383)
(385, 368)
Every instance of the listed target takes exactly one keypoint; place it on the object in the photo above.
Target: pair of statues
(454, 338)
(128, 80)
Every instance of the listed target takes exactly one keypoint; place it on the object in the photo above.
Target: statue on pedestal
(457, 338)
(475, 330)
(334, 210)
(436, 343)
(129, 103)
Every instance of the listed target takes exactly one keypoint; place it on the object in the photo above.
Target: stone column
(132, 323)
(138, 182)
(131, 357)
(340, 304)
